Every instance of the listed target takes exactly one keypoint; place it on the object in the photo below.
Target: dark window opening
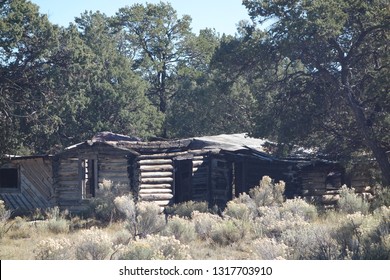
(183, 180)
(88, 170)
(9, 178)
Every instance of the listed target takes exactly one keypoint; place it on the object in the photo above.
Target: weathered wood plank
(156, 174)
(155, 186)
(156, 168)
(155, 197)
(156, 180)
(157, 161)
(197, 163)
(155, 191)
(162, 155)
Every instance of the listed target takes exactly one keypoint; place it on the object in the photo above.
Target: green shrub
(227, 232)
(272, 221)
(299, 207)
(245, 199)
(237, 210)
(5, 215)
(168, 248)
(350, 202)
(93, 244)
(142, 218)
(102, 206)
(312, 241)
(377, 242)
(54, 249)
(137, 250)
(185, 209)
(358, 233)
(269, 249)
(181, 228)
(126, 205)
(58, 226)
(154, 247)
(381, 198)
(121, 237)
(149, 220)
(204, 223)
(20, 229)
(268, 193)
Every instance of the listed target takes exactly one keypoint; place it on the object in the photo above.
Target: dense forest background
(317, 76)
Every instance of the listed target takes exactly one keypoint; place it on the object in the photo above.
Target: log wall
(35, 185)
(201, 178)
(156, 177)
(112, 175)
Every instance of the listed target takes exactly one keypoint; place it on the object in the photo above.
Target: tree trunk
(367, 132)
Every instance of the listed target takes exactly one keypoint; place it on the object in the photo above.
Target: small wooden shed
(26, 183)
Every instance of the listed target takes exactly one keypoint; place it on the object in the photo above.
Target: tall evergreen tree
(155, 39)
(331, 72)
(27, 42)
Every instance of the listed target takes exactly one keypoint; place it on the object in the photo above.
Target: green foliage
(102, 206)
(312, 241)
(20, 229)
(149, 219)
(155, 247)
(325, 75)
(268, 193)
(381, 198)
(142, 218)
(269, 249)
(225, 107)
(181, 228)
(185, 209)
(28, 40)
(54, 249)
(137, 250)
(156, 37)
(52, 77)
(93, 244)
(5, 214)
(238, 211)
(350, 202)
(300, 208)
(56, 220)
(204, 223)
(228, 232)
(292, 230)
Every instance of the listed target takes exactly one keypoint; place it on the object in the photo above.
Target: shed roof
(239, 144)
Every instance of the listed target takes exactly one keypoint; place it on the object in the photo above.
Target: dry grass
(247, 229)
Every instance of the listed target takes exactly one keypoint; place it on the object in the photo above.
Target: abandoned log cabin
(212, 168)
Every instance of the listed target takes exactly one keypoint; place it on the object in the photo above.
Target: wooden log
(155, 191)
(155, 161)
(154, 197)
(162, 155)
(330, 199)
(156, 180)
(197, 163)
(155, 186)
(165, 167)
(156, 174)
(202, 157)
(175, 154)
